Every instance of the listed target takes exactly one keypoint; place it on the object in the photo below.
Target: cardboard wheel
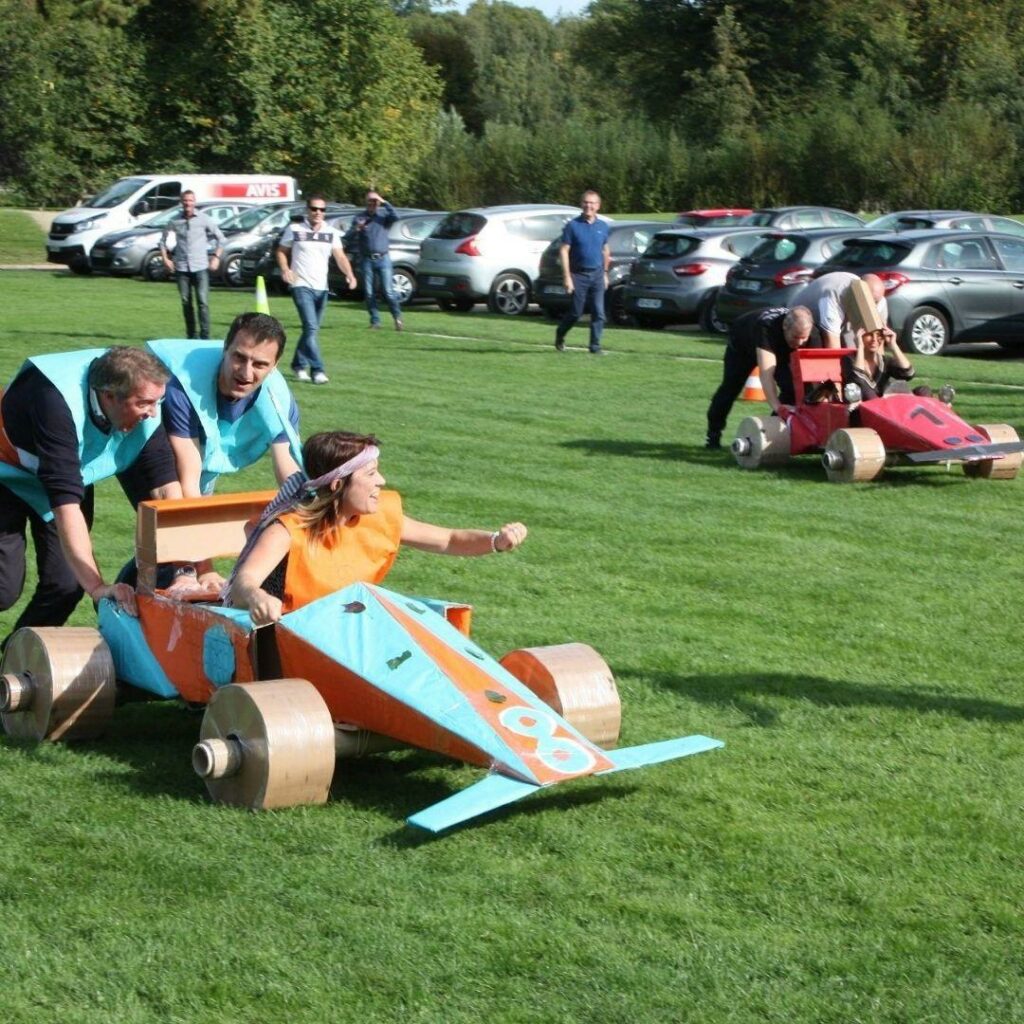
(267, 744)
(1005, 468)
(854, 455)
(57, 684)
(761, 441)
(577, 682)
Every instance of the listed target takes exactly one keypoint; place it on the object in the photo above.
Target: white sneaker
(320, 377)
(302, 375)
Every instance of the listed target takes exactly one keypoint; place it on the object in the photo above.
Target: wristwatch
(185, 570)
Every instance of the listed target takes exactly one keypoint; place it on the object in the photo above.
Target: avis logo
(264, 190)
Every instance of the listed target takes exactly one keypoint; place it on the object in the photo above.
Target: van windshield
(121, 190)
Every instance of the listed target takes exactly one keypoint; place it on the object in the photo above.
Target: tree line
(660, 104)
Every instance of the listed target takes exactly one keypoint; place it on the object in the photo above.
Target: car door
(975, 285)
(1011, 254)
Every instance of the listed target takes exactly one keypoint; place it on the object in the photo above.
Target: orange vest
(362, 551)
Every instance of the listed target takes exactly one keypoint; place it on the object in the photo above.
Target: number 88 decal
(559, 753)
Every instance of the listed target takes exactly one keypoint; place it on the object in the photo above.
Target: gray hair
(797, 319)
(121, 370)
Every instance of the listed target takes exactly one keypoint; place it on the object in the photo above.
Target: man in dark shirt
(585, 260)
(764, 338)
(69, 421)
(369, 231)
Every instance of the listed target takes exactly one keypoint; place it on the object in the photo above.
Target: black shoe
(559, 345)
(713, 442)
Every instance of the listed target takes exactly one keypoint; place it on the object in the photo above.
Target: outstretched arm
(442, 541)
(247, 590)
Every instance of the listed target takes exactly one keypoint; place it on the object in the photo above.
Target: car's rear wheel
(760, 441)
(615, 307)
(231, 270)
(1005, 468)
(709, 320)
(926, 331)
(153, 268)
(510, 295)
(404, 283)
(853, 455)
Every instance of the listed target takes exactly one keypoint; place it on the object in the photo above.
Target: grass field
(853, 854)
(22, 240)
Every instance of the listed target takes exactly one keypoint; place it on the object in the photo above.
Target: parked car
(776, 269)
(801, 218)
(944, 287)
(254, 226)
(965, 220)
(677, 278)
(626, 240)
(489, 253)
(719, 218)
(137, 250)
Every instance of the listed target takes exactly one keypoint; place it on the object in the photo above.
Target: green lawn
(851, 855)
(22, 240)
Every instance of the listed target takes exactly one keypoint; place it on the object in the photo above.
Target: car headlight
(85, 225)
(123, 243)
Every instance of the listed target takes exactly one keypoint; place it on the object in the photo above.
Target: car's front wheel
(926, 331)
(231, 271)
(510, 295)
(710, 321)
(153, 268)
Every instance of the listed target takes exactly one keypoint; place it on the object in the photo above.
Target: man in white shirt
(824, 298)
(304, 254)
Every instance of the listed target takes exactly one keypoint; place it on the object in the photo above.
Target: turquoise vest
(228, 447)
(100, 455)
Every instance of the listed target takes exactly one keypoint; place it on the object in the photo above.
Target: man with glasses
(304, 254)
(192, 262)
(369, 231)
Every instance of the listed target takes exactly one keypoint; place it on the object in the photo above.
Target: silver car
(963, 220)
(490, 254)
(137, 250)
(679, 274)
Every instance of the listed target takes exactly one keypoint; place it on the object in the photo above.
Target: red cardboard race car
(857, 438)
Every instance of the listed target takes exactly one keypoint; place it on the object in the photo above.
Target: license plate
(648, 303)
(435, 280)
(746, 286)
(52, 248)
(554, 289)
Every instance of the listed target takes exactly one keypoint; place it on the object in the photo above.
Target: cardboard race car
(358, 671)
(858, 438)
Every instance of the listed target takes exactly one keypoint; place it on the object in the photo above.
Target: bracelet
(494, 542)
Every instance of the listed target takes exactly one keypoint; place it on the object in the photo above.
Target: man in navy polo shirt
(585, 259)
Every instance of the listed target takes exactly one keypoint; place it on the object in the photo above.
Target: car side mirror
(141, 207)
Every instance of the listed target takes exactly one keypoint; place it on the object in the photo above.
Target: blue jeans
(311, 306)
(379, 269)
(195, 282)
(588, 291)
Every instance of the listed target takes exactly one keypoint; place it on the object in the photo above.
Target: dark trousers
(57, 591)
(587, 294)
(195, 283)
(736, 368)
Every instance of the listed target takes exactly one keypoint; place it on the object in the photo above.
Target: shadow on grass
(667, 450)
(740, 692)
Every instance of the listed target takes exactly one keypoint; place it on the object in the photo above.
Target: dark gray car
(944, 286)
(627, 239)
(678, 276)
(777, 269)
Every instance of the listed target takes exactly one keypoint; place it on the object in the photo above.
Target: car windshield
(158, 220)
(116, 194)
(459, 225)
(761, 219)
(865, 253)
(779, 249)
(670, 246)
(248, 219)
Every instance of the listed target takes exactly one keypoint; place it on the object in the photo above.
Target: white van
(128, 200)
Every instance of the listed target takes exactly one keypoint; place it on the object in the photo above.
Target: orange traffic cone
(262, 306)
(752, 389)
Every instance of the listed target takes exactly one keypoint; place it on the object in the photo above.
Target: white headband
(369, 454)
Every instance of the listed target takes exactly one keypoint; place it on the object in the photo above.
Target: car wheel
(853, 455)
(709, 319)
(1005, 468)
(80, 265)
(153, 268)
(926, 331)
(649, 323)
(510, 295)
(231, 270)
(404, 284)
(615, 307)
(456, 305)
(760, 441)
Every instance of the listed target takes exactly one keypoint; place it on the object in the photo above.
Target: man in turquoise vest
(67, 421)
(226, 405)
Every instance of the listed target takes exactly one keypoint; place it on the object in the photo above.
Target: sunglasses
(317, 209)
